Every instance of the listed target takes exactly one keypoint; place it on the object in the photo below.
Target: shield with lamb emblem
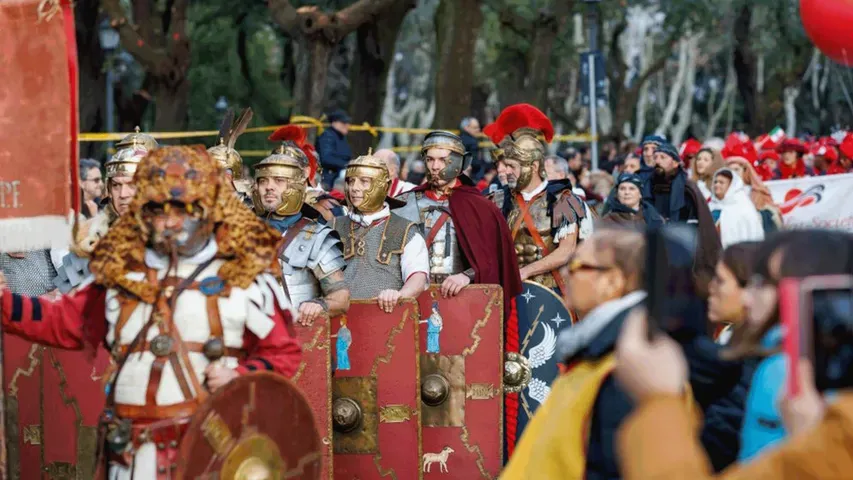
(529, 372)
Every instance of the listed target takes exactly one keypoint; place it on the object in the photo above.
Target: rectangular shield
(461, 364)
(375, 400)
(54, 399)
(314, 378)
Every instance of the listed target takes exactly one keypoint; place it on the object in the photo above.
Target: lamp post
(109, 40)
(592, 12)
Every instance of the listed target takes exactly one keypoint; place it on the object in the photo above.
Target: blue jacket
(762, 423)
(333, 150)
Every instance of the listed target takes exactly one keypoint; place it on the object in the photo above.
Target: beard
(185, 241)
(511, 181)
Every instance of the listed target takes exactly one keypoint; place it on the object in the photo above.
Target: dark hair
(87, 164)
(803, 253)
(740, 259)
(725, 173)
(806, 253)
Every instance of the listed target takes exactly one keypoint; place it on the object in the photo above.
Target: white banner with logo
(815, 202)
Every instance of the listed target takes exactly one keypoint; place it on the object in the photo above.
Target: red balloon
(829, 24)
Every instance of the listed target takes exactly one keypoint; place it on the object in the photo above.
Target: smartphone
(820, 322)
(671, 300)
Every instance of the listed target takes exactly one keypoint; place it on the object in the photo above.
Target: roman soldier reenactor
(328, 206)
(311, 257)
(546, 219)
(183, 298)
(386, 255)
(466, 235)
(120, 169)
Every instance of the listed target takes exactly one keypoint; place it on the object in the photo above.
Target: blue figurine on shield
(434, 325)
(344, 340)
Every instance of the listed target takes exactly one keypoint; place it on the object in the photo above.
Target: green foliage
(246, 74)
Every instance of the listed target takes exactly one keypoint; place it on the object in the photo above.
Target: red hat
(791, 145)
(514, 117)
(689, 148)
(298, 135)
(739, 145)
(828, 142)
(828, 152)
(847, 146)
(768, 155)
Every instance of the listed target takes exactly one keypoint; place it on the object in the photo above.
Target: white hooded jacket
(738, 220)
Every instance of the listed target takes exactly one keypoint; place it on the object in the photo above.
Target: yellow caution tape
(306, 122)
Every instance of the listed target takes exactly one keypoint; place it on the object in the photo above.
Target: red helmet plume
(520, 115)
(298, 135)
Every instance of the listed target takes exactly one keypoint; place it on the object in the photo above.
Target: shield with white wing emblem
(528, 373)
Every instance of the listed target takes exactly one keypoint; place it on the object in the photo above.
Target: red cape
(484, 239)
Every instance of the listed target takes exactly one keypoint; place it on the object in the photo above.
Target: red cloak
(484, 239)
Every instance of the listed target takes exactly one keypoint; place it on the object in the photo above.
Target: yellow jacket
(554, 443)
(659, 442)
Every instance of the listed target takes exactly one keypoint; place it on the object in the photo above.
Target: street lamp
(592, 10)
(109, 40)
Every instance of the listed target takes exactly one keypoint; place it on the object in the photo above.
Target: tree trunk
(172, 104)
(457, 24)
(746, 69)
(546, 29)
(161, 45)
(318, 33)
(92, 79)
(374, 56)
(311, 73)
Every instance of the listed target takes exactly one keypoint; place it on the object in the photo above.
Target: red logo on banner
(795, 198)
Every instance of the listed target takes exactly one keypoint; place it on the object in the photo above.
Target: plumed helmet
(516, 131)
(224, 153)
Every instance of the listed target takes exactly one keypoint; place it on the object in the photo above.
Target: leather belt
(196, 347)
(156, 412)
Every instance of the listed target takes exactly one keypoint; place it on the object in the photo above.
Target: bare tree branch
(285, 16)
(357, 14)
(151, 58)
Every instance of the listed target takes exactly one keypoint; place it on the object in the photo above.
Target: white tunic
(244, 309)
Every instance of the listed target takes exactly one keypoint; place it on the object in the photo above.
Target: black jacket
(720, 388)
(333, 150)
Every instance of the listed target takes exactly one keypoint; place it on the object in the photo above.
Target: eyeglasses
(576, 265)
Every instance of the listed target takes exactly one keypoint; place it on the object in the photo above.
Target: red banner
(38, 136)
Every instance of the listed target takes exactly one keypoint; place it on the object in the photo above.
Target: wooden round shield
(259, 426)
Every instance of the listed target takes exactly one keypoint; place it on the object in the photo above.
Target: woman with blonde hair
(702, 170)
(771, 216)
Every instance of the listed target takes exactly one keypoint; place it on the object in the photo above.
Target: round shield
(258, 426)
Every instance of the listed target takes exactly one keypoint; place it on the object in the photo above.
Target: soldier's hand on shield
(452, 285)
(309, 312)
(388, 299)
(218, 375)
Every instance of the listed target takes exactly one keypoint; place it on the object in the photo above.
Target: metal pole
(110, 106)
(593, 114)
(593, 97)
